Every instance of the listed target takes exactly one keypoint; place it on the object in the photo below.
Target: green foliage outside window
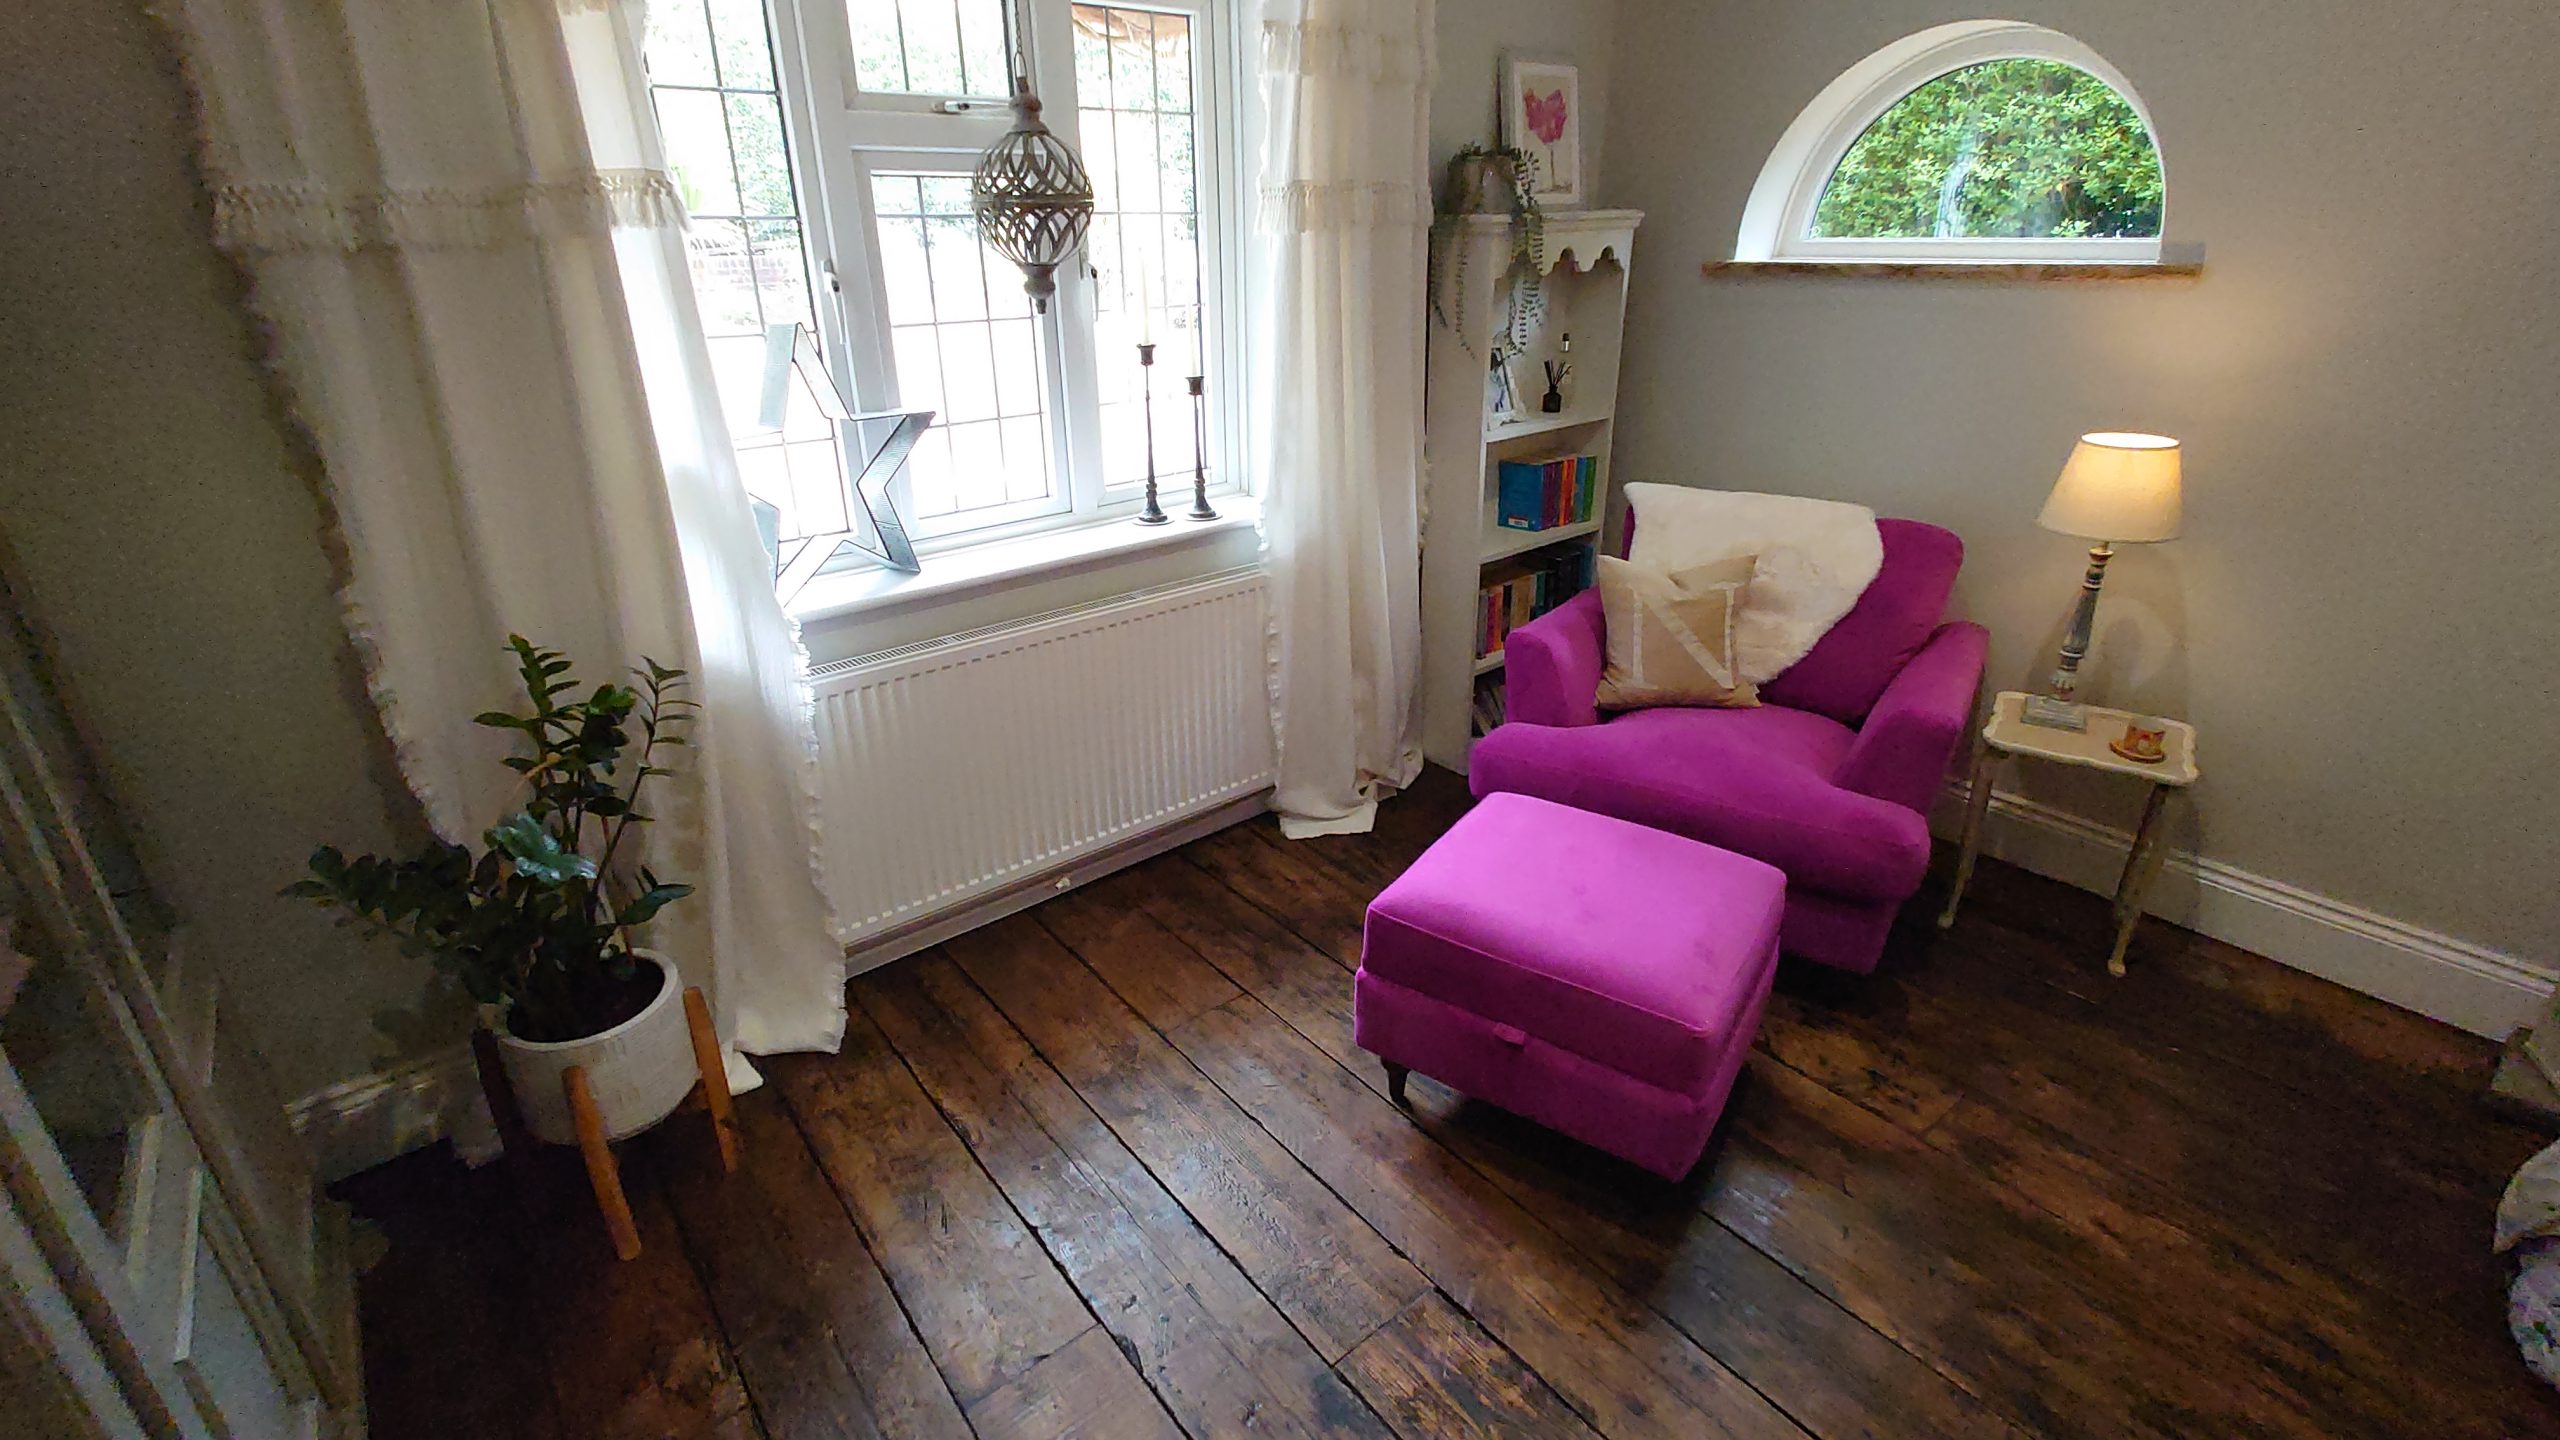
(2007, 148)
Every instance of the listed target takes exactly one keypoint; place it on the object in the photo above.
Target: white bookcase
(1587, 252)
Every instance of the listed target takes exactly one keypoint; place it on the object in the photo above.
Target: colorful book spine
(1524, 589)
(1543, 494)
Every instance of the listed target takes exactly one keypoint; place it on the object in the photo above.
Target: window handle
(828, 268)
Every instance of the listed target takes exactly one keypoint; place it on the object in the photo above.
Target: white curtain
(465, 252)
(1337, 339)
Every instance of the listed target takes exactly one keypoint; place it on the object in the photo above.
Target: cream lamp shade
(2117, 486)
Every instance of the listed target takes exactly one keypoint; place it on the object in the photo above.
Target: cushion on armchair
(1670, 637)
(1848, 668)
(1813, 560)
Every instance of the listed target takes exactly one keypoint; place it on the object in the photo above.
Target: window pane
(1133, 59)
(968, 374)
(964, 347)
(929, 47)
(711, 75)
(959, 269)
(724, 282)
(737, 27)
(902, 261)
(944, 194)
(1138, 116)
(982, 50)
(697, 141)
(737, 368)
(781, 272)
(1017, 370)
(768, 478)
(1023, 441)
(930, 30)
(917, 349)
(755, 135)
(2006, 149)
(678, 48)
(879, 61)
(978, 460)
(817, 485)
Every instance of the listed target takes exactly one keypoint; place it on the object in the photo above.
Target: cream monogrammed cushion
(1670, 637)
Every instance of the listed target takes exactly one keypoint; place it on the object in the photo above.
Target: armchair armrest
(1551, 666)
(1901, 752)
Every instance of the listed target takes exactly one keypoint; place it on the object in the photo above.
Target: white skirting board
(357, 1124)
(2484, 991)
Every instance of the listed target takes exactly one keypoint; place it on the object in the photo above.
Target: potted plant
(1491, 180)
(541, 925)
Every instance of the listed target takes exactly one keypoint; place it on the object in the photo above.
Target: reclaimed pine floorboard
(1113, 1167)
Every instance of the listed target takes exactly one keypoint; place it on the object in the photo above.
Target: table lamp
(2115, 487)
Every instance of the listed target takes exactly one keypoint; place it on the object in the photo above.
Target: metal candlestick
(1199, 451)
(1154, 513)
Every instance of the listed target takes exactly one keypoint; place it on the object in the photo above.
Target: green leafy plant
(541, 920)
(2014, 148)
(1491, 180)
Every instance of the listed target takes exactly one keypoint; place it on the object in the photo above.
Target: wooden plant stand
(604, 1173)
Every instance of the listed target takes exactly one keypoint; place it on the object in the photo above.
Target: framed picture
(1542, 114)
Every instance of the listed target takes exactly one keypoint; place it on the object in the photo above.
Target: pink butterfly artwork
(1546, 115)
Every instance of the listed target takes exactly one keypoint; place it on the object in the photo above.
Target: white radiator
(956, 769)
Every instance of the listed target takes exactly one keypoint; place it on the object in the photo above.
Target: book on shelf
(1487, 708)
(1521, 589)
(1544, 491)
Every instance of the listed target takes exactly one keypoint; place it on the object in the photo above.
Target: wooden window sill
(1992, 271)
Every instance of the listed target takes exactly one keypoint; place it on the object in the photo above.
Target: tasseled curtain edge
(1345, 50)
(278, 217)
(1302, 207)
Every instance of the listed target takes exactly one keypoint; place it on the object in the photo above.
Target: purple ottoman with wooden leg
(1587, 973)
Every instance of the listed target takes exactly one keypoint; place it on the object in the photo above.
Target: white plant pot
(640, 1070)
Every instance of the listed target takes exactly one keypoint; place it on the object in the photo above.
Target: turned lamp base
(2054, 713)
(2059, 711)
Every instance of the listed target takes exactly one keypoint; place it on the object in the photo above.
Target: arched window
(1986, 140)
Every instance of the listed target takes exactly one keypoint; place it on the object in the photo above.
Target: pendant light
(1031, 196)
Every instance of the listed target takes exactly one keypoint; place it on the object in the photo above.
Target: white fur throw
(1816, 558)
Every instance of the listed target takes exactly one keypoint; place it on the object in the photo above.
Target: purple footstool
(1595, 976)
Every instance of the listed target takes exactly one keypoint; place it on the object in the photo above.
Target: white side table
(2006, 735)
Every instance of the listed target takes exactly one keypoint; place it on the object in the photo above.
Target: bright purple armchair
(1829, 778)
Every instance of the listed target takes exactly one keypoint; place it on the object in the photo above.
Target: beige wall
(168, 546)
(2363, 615)
(1473, 35)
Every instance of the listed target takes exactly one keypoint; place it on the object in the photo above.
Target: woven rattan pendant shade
(1032, 198)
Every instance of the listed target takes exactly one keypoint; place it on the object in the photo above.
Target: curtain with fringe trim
(1337, 345)
(465, 249)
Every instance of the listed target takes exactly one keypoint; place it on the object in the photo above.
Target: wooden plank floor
(1113, 1167)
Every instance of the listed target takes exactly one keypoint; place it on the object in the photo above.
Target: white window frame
(840, 134)
(1777, 222)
